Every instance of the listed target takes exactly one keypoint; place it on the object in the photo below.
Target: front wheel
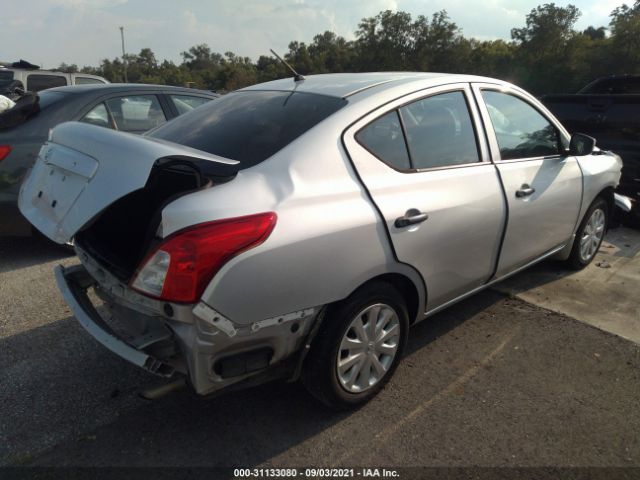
(358, 346)
(589, 235)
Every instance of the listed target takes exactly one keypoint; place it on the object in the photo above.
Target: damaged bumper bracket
(623, 203)
(73, 282)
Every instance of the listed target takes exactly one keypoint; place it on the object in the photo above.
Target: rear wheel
(358, 347)
(589, 235)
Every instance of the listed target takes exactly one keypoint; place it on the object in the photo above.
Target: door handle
(411, 217)
(525, 191)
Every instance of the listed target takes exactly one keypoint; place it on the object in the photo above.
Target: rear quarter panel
(328, 239)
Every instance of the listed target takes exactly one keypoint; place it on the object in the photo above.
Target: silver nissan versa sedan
(298, 228)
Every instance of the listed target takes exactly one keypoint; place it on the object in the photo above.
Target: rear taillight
(5, 150)
(182, 266)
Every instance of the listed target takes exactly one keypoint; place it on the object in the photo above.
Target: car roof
(126, 87)
(344, 85)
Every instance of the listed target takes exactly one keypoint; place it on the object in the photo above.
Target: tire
(589, 235)
(342, 352)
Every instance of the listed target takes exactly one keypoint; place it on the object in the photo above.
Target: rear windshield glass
(6, 75)
(27, 107)
(614, 86)
(49, 98)
(249, 126)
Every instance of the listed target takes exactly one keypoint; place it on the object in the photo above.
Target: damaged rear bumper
(215, 353)
(73, 282)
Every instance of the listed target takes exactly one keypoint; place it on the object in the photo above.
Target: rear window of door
(432, 132)
(35, 83)
(186, 103)
(439, 131)
(136, 113)
(87, 81)
(384, 138)
(521, 131)
(99, 116)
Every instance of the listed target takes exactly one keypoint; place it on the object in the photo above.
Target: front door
(543, 185)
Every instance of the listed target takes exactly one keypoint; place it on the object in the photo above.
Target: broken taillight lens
(5, 150)
(182, 266)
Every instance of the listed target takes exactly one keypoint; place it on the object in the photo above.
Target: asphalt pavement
(605, 294)
(492, 381)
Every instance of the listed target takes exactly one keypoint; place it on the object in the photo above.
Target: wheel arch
(607, 194)
(407, 287)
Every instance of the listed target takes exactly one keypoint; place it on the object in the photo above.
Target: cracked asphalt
(492, 381)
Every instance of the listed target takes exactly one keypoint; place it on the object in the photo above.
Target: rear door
(428, 172)
(543, 185)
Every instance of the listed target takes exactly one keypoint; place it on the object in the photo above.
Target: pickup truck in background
(608, 109)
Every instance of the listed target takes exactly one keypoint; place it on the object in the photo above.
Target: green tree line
(546, 55)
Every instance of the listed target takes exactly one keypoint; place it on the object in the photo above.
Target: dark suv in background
(608, 109)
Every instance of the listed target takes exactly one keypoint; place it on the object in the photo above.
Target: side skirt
(492, 282)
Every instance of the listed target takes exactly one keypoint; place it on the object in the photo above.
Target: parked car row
(297, 228)
(130, 108)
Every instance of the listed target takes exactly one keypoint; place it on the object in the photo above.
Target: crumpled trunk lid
(82, 169)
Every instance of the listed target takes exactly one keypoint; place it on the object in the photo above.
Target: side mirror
(581, 144)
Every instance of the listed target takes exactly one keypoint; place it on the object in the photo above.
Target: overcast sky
(48, 32)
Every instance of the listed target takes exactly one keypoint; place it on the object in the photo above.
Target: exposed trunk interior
(122, 234)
